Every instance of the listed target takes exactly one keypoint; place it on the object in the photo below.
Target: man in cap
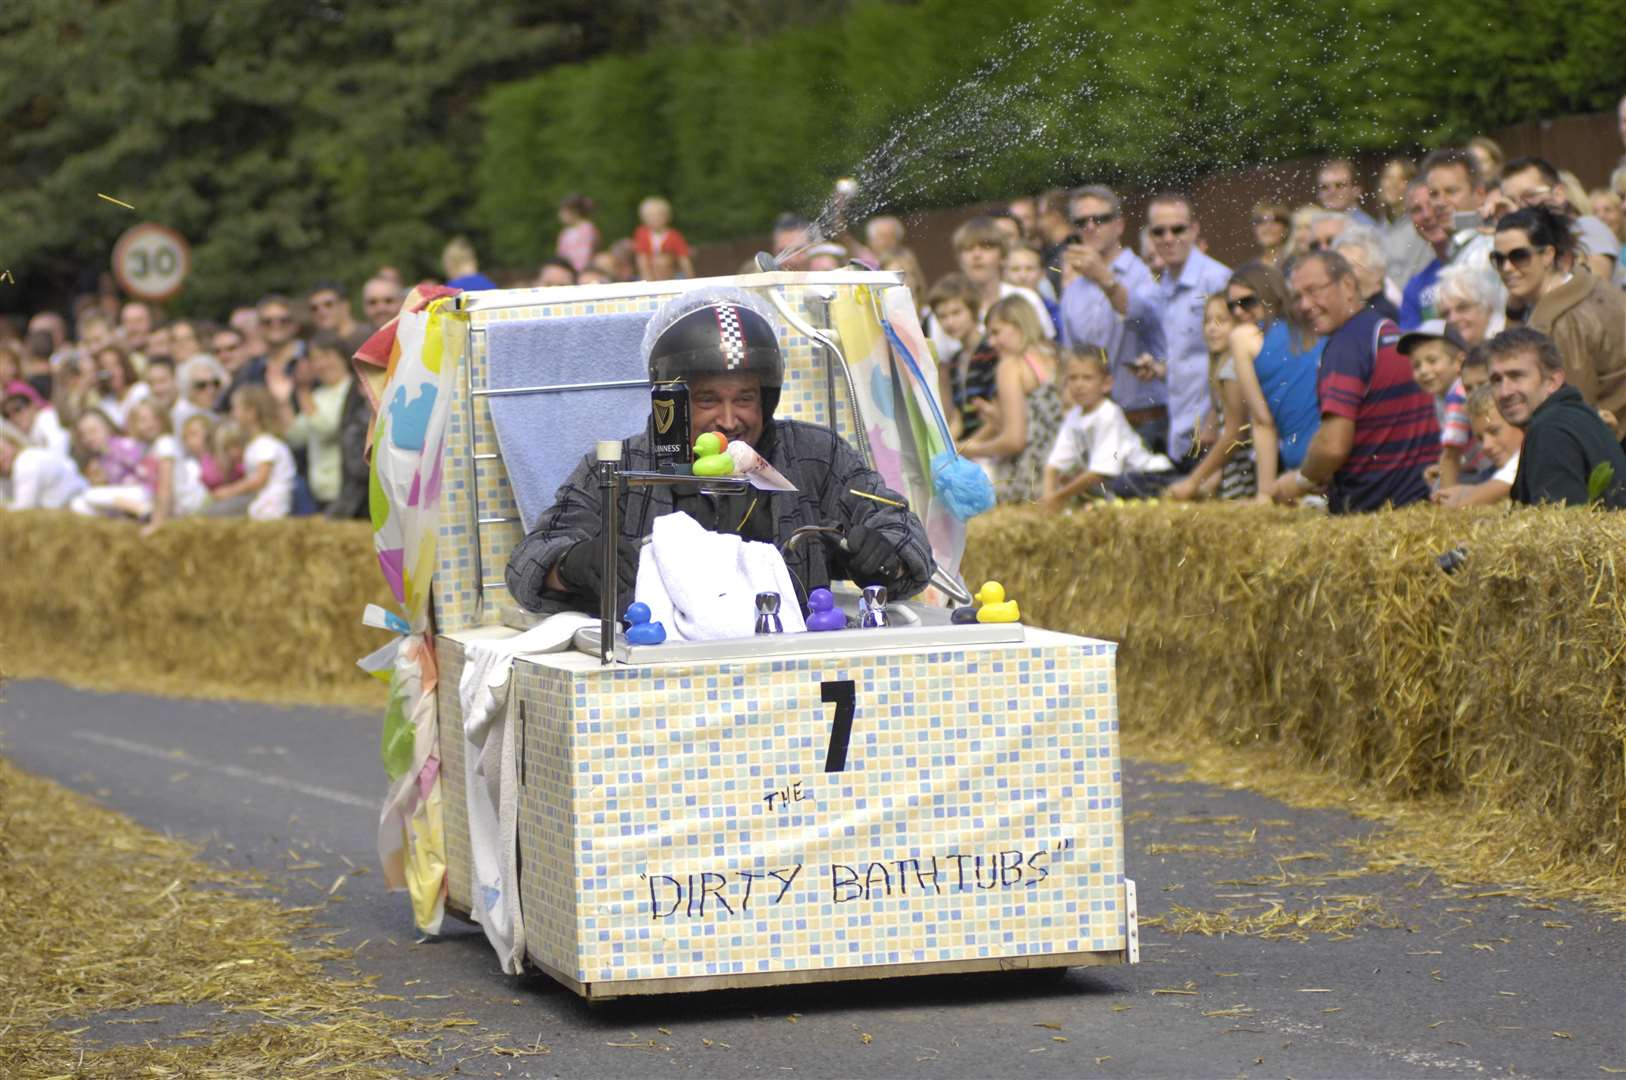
(721, 342)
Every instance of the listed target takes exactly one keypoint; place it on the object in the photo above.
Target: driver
(721, 342)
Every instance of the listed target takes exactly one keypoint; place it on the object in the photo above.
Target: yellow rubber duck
(995, 608)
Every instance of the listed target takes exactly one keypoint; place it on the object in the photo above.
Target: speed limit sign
(150, 261)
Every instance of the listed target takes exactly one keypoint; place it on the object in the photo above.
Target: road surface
(1435, 981)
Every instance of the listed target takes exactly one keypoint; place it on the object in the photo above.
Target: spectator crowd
(1458, 335)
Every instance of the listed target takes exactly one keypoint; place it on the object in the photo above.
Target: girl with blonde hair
(1020, 424)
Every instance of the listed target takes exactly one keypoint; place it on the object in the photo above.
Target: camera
(1451, 561)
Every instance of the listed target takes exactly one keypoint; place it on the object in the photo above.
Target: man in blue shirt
(1417, 303)
(1189, 278)
(1109, 299)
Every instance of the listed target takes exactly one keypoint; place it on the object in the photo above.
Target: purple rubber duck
(822, 612)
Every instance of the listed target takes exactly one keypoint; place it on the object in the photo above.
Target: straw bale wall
(216, 608)
(1340, 644)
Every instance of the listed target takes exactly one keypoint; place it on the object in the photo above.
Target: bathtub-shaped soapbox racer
(928, 797)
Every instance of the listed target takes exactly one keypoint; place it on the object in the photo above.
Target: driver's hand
(874, 558)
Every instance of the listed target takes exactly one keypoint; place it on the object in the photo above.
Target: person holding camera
(1109, 300)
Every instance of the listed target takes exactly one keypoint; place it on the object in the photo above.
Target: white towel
(702, 586)
(491, 778)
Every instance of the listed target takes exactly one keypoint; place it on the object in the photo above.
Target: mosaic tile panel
(473, 554)
(549, 903)
(687, 814)
(454, 796)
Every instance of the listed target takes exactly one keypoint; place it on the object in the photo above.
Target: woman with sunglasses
(201, 380)
(1535, 254)
(1275, 362)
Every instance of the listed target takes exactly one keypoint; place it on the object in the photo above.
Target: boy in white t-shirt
(1096, 450)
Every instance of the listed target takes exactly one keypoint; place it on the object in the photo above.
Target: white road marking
(236, 772)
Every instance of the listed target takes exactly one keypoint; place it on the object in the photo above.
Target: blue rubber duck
(640, 631)
(822, 612)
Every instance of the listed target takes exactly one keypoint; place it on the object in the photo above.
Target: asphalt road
(1438, 981)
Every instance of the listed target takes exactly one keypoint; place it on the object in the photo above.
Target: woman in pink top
(579, 238)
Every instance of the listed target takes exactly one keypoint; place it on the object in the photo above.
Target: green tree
(287, 141)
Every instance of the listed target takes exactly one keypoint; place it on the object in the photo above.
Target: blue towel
(543, 435)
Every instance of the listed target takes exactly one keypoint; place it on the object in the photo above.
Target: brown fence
(1589, 145)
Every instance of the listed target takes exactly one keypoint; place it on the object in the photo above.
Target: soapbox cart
(924, 798)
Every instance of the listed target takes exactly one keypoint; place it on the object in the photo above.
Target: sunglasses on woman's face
(1520, 258)
(206, 384)
(1266, 219)
(1242, 304)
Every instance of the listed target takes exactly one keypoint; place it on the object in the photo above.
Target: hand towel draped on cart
(491, 778)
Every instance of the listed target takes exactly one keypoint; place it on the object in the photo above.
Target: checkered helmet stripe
(730, 336)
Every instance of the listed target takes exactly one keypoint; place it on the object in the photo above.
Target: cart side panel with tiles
(856, 804)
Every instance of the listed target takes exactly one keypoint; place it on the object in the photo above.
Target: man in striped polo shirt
(1378, 428)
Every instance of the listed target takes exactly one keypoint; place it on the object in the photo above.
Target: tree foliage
(296, 139)
(938, 102)
(288, 140)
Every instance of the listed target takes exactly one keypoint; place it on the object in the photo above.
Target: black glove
(872, 556)
(581, 568)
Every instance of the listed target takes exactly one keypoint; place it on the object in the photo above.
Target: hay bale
(204, 607)
(1339, 645)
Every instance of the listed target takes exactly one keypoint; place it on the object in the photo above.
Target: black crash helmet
(719, 338)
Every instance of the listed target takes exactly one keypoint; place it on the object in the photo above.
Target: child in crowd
(655, 236)
(106, 457)
(166, 487)
(226, 447)
(173, 481)
(112, 463)
(1024, 268)
(266, 490)
(1501, 442)
(1096, 450)
(118, 382)
(579, 238)
(967, 371)
(197, 443)
(1020, 424)
(1227, 470)
(1435, 351)
(1457, 430)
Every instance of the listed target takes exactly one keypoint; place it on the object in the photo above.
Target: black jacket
(825, 471)
(1564, 441)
